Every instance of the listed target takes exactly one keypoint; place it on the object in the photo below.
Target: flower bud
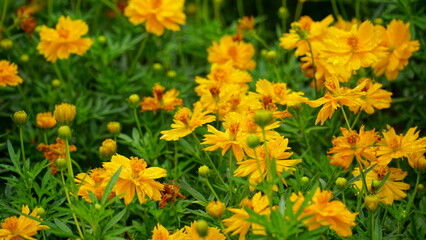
(134, 100)
(304, 180)
(283, 12)
(253, 141)
(108, 148)
(378, 21)
(262, 118)
(171, 74)
(264, 52)
(216, 209)
(376, 183)
(24, 58)
(64, 113)
(98, 206)
(191, 8)
(202, 228)
(20, 118)
(38, 29)
(56, 83)
(61, 164)
(420, 187)
(45, 120)
(64, 132)
(372, 202)
(40, 211)
(157, 67)
(114, 128)
(102, 39)
(341, 182)
(271, 56)
(6, 44)
(204, 171)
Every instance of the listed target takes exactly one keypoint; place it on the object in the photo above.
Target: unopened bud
(372, 202)
(38, 29)
(98, 206)
(253, 141)
(304, 180)
(20, 118)
(56, 83)
(102, 39)
(204, 171)
(24, 58)
(378, 21)
(420, 187)
(157, 67)
(216, 209)
(134, 100)
(271, 56)
(64, 113)
(283, 12)
(262, 118)
(6, 44)
(376, 183)
(61, 164)
(64, 132)
(202, 228)
(114, 128)
(40, 211)
(341, 182)
(171, 74)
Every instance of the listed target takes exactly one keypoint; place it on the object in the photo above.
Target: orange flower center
(219, 74)
(215, 91)
(157, 3)
(234, 128)
(235, 101)
(10, 223)
(267, 102)
(158, 94)
(63, 33)
(232, 51)
(137, 165)
(183, 116)
(353, 42)
(97, 175)
(352, 139)
(394, 143)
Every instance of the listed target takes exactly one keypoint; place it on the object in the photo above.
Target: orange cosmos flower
(213, 233)
(64, 40)
(9, 74)
(353, 145)
(54, 151)
(161, 100)
(238, 223)
(185, 122)
(245, 23)
(392, 189)
(45, 120)
(135, 177)
(417, 160)
(65, 113)
(397, 146)
(158, 14)
(21, 227)
(323, 212)
(161, 233)
(336, 97)
(374, 98)
(238, 53)
(278, 93)
(258, 168)
(170, 193)
(94, 182)
(397, 42)
(356, 48)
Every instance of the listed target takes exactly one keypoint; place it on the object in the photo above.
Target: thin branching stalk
(24, 159)
(80, 233)
(138, 54)
(138, 124)
(335, 9)
(346, 117)
(212, 189)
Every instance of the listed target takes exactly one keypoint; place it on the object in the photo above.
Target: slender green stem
(208, 158)
(71, 206)
(371, 217)
(356, 119)
(138, 54)
(364, 182)
(269, 170)
(240, 8)
(138, 124)
(68, 158)
(276, 72)
(298, 10)
(284, 18)
(175, 159)
(346, 117)
(231, 188)
(259, 7)
(314, 78)
(78, 7)
(212, 189)
(357, 9)
(24, 159)
(45, 137)
(413, 196)
(3, 14)
(335, 9)
(216, 8)
(258, 38)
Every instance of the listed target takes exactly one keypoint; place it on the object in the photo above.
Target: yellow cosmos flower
(158, 14)
(185, 122)
(45, 120)
(278, 93)
(356, 48)
(323, 212)
(397, 146)
(167, 101)
(94, 182)
(161, 233)
(397, 42)
(258, 168)
(64, 113)
(336, 97)
(238, 223)
(353, 145)
(9, 74)
(213, 233)
(21, 227)
(64, 40)
(136, 177)
(238, 53)
(392, 189)
(374, 98)
(417, 160)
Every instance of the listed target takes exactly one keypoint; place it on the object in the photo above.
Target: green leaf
(110, 185)
(62, 226)
(114, 220)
